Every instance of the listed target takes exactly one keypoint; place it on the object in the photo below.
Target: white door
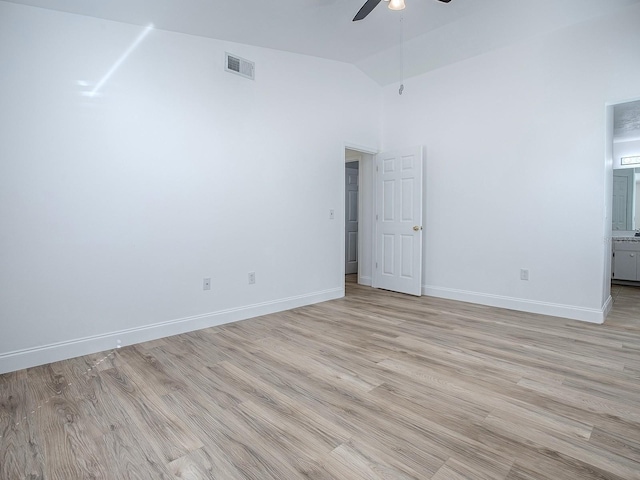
(622, 200)
(398, 226)
(351, 219)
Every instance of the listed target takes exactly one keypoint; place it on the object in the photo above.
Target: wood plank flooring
(377, 385)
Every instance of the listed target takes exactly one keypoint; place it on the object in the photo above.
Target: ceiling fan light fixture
(396, 5)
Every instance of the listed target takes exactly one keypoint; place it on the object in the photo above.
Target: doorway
(351, 217)
(397, 252)
(622, 195)
(359, 207)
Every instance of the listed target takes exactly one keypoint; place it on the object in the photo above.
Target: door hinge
(377, 168)
(376, 216)
(376, 264)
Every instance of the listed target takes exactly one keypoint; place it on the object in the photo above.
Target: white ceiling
(626, 119)
(435, 33)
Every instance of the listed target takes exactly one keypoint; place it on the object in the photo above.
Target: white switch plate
(524, 274)
(252, 278)
(332, 214)
(206, 284)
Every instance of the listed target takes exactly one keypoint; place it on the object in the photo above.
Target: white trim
(608, 305)
(364, 280)
(31, 357)
(591, 315)
(360, 148)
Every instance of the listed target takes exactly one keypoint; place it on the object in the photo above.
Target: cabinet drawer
(628, 246)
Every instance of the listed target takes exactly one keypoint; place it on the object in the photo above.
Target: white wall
(519, 135)
(114, 208)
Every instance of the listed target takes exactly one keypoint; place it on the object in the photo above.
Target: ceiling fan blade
(366, 9)
(369, 5)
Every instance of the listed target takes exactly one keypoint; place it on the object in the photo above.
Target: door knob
(417, 228)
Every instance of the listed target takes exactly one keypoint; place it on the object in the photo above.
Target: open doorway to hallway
(351, 189)
(359, 207)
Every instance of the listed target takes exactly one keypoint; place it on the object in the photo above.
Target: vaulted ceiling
(434, 34)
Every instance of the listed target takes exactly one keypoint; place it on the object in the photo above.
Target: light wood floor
(374, 386)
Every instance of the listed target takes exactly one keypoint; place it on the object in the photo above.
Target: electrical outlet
(206, 284)
(332, 214)
(252, 278)
(524, 274)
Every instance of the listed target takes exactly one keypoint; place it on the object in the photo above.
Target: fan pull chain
(401, 89)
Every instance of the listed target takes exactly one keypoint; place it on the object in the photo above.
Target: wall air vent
(235, 64)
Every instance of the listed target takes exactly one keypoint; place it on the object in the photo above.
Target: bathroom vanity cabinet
(625, 259)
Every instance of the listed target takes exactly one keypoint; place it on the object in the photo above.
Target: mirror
(626, 143)
(626, 203)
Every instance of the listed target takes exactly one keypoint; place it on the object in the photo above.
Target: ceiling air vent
(235, 64)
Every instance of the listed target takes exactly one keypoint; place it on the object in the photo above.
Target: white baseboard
(591, 315)
(362, 280)
(31, 357)
(608, 305)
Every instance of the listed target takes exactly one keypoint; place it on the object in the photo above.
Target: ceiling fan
(369, 5)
